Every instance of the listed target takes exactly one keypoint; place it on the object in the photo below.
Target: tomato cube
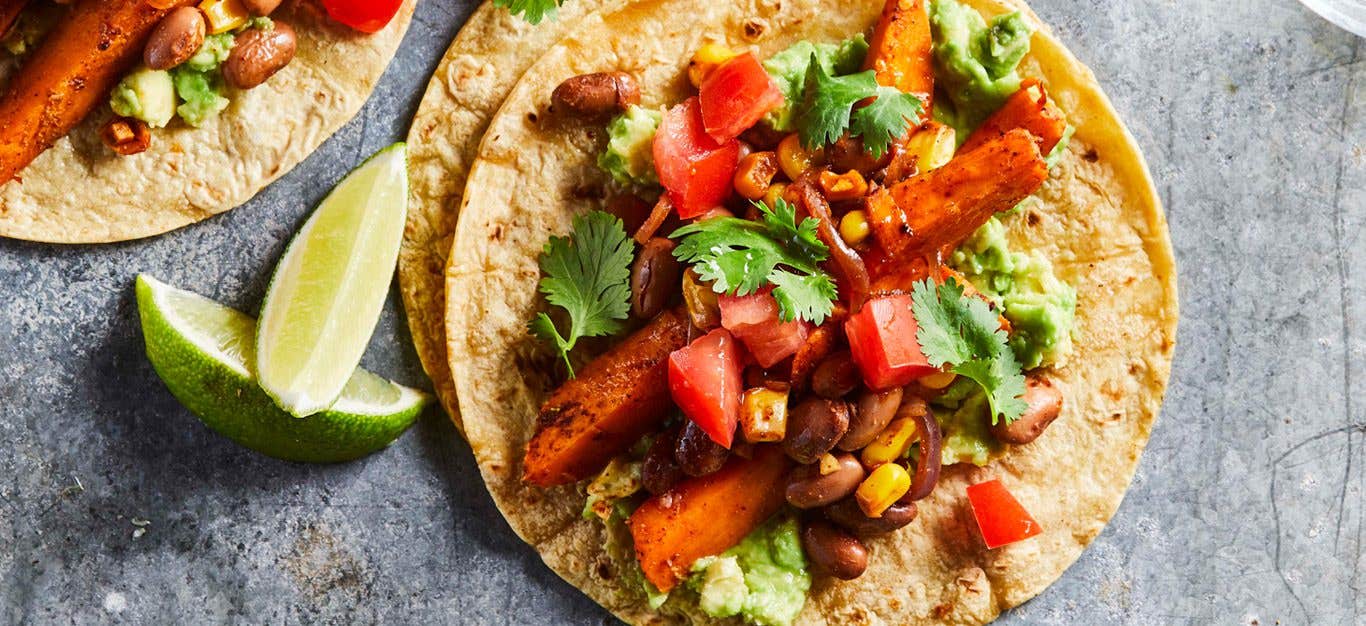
(736, 96)
(882, 340)
(755, 321)
(705, 382)
(696, 170)
(999, 515)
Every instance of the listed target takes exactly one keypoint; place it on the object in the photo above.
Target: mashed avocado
(976, 61)
(629, 157)
(965, 426)
(789, 68)
(146, 94)
(1041, 308)
(212, 54)
(200, 94)
(764, 579)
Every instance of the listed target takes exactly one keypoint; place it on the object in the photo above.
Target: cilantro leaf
(885, 119)
(828, 103)
(587, 274)
(533, 11)
(964, 333)
(740, 257)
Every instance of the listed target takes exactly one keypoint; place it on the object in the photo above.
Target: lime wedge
(204, 350)
(327, 293)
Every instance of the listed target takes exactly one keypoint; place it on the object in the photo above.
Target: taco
(122, 119)
(879, 340)
(479, 69)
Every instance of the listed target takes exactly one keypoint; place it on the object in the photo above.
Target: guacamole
(1041, 308)
(629, 157)
(789, 69)
(966, 430)
(147, 95)
(764, 579)
(976, 61)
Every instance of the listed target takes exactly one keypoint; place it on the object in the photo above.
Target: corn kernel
(890, 444)
(847, 186)
(854, 228)
(882, 489)
(795, 159)
(774, 193)
(706, 59)
(755, 174)
(764, 415)
(933, 146)
(829, 464)
(703, 308)
(938, 381)
(224, 15)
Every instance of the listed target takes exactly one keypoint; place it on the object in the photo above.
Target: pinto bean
(1044, 404)
(873, 413)
(808, 489)
(261, 8)
(833, 550)
(696, 453)
(594, 95)
(814, 427)
(654, 278)
(259, 54)
(848, 515)
(835, 376)
(179, 35)
(659, 471)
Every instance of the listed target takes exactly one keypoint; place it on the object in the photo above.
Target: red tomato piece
(735, 96)
(704, 380)
(367, 16)
(696, 170)
(999, 515)
(882, 340)
(755, 321)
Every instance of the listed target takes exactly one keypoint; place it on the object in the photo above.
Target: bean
(833, 550)
(631, 209)
(259, 54)
(654, 278)
(261, 8)
(659, 471)
(179, 35)
(696, 453)
(871, 415)
(808, 489)
(593, 95)
(835, 376)
(1044, 403)
(847, 514)
(813, 428)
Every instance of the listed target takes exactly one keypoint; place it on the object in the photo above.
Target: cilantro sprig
(962, 332)
(827, 110)
(533, 11)
(587, 274)
(740, 257)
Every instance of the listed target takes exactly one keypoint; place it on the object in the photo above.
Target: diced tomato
(882, 340)
(999, 515)
(704, 379)
(736, 96)
(695, 169)
(367, 16)
(754, 320)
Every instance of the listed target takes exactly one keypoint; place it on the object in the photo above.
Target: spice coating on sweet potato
(618, 398)
(1029, 108)
(901, 50)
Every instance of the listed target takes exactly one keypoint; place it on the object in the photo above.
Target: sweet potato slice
(900, 51)
(942, 207)
(617, 399)
(708, 515)
(70, 74)
(1029, 108)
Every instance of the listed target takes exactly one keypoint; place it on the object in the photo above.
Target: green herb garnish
(534, 11)
(964, 333)
(740, 257)
(587, 274)
(826, 111)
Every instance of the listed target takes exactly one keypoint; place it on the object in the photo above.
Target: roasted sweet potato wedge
(618, 398)
(942, 207)
(708, 515)
(9, 12)
(1029, 108)
(900, 51)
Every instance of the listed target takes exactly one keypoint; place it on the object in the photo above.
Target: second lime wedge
(329, 289)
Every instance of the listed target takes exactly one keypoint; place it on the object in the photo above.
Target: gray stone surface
(1248, 505)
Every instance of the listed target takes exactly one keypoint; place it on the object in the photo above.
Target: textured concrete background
(116, 505)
